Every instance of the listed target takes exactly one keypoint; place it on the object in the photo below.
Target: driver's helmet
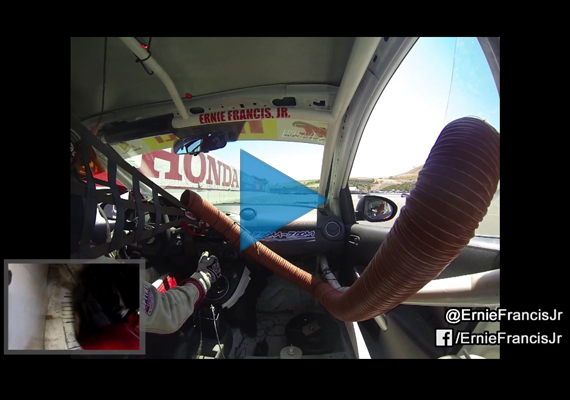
(106, 307)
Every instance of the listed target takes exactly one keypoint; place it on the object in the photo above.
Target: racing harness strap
(92, 196)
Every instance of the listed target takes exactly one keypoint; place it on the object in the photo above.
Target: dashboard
(310, 235)
(315, 232)
(179, 249)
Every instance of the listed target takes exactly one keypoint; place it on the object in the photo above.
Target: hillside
(398, 182)
(313, 183)
(402, 181)
(361, 183)
(411, 174)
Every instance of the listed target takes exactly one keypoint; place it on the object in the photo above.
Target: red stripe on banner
(256, 126)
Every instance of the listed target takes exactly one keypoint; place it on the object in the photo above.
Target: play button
(270, 199)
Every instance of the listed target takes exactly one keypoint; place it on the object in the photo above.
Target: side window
(440, 80)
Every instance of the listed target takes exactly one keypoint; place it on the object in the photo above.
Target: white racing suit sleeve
(167, 311)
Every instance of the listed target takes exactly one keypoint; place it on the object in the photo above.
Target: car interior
(364, 275)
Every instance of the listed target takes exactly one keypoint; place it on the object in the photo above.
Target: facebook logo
(444, 337)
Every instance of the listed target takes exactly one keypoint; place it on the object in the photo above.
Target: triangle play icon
(269, 199)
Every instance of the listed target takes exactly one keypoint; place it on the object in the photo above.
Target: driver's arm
(166, 312)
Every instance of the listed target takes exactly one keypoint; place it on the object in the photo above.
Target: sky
(300, 161)
(441, 79)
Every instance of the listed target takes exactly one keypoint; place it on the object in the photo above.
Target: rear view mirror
(196, 145)
(375, 209)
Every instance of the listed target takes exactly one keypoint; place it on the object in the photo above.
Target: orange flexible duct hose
(450, 199)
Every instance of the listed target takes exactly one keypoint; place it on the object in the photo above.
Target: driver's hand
(210, 265)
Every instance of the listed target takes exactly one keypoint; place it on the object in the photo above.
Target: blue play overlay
(269, 199)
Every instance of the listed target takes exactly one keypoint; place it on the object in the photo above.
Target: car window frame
(491, 51)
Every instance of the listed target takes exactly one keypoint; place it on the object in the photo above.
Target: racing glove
(208, 270)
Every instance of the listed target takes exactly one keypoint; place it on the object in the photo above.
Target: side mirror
(375, 209)
(196, 145)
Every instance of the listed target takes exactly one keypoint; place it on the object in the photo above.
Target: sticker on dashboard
(283, 236)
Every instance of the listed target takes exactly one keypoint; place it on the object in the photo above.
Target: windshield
(216, 175)
(440, 80)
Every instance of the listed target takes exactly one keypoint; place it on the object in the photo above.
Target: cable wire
(269, 330)
(451, 82)
(147, 48)
(242, 350)
(102, 213)
(216, 330)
